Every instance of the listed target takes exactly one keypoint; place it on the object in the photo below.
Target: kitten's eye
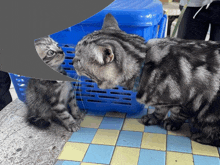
(51, 53)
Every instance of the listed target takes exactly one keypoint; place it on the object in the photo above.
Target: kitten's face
(49, 51)
(97, 57)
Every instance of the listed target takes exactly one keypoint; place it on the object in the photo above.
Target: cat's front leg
(177, 118)
(75, 111)
(61, 113)
(156, 117)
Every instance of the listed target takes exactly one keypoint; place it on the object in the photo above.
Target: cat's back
(192, 50)
(177, 43)
(189, 65)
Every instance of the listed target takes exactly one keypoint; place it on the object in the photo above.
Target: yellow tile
(200, 149)
(184, 131)
(133, 125)
(176, 158)
(84, 163)
(91, 121)
(115, 114)
(105, 137)
(73, 151)
(125, 155)
(154, 141)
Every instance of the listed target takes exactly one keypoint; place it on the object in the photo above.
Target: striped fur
(50, 100)
(179, 76)
(91, 57)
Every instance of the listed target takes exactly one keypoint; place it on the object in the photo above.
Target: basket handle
(163, 27)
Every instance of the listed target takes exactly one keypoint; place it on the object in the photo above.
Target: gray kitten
(51, 100)
(178, 75)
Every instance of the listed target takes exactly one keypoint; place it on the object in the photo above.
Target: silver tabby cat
(51, 100)
(179, 76)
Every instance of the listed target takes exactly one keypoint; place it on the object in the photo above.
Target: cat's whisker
(77, 86)
(81, 95)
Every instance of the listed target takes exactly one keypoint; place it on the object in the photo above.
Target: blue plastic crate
(141, 17)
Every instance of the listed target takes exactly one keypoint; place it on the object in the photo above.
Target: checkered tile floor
(119, 139)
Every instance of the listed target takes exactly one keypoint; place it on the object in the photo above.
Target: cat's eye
(51, 53)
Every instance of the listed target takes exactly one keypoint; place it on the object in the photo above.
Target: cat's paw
(73, 127)
(79, 116)
(79, 120)
(171, 125)
(149, 120)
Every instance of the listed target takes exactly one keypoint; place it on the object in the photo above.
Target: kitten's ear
(110, 22)
(106, 54)
(39, 52)
(36, 41)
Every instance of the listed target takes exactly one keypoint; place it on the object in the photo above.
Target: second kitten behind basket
(48, 100)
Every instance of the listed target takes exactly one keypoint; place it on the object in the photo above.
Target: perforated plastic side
(88, 95)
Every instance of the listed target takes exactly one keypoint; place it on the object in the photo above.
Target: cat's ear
(110, 22)
(106, 54)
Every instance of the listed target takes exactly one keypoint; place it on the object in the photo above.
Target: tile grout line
(142, 141)
(91, 142)
(81, 143)
(207, 156)
(191, 146)
(141, 144)
(61, 151)
(218, 148)
(105, 144)
(166, 147)
(118, 138)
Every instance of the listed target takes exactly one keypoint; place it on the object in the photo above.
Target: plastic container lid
(130, 13)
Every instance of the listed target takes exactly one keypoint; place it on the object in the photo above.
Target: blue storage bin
(141, 17)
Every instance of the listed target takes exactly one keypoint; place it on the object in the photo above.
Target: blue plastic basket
(141, 17)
